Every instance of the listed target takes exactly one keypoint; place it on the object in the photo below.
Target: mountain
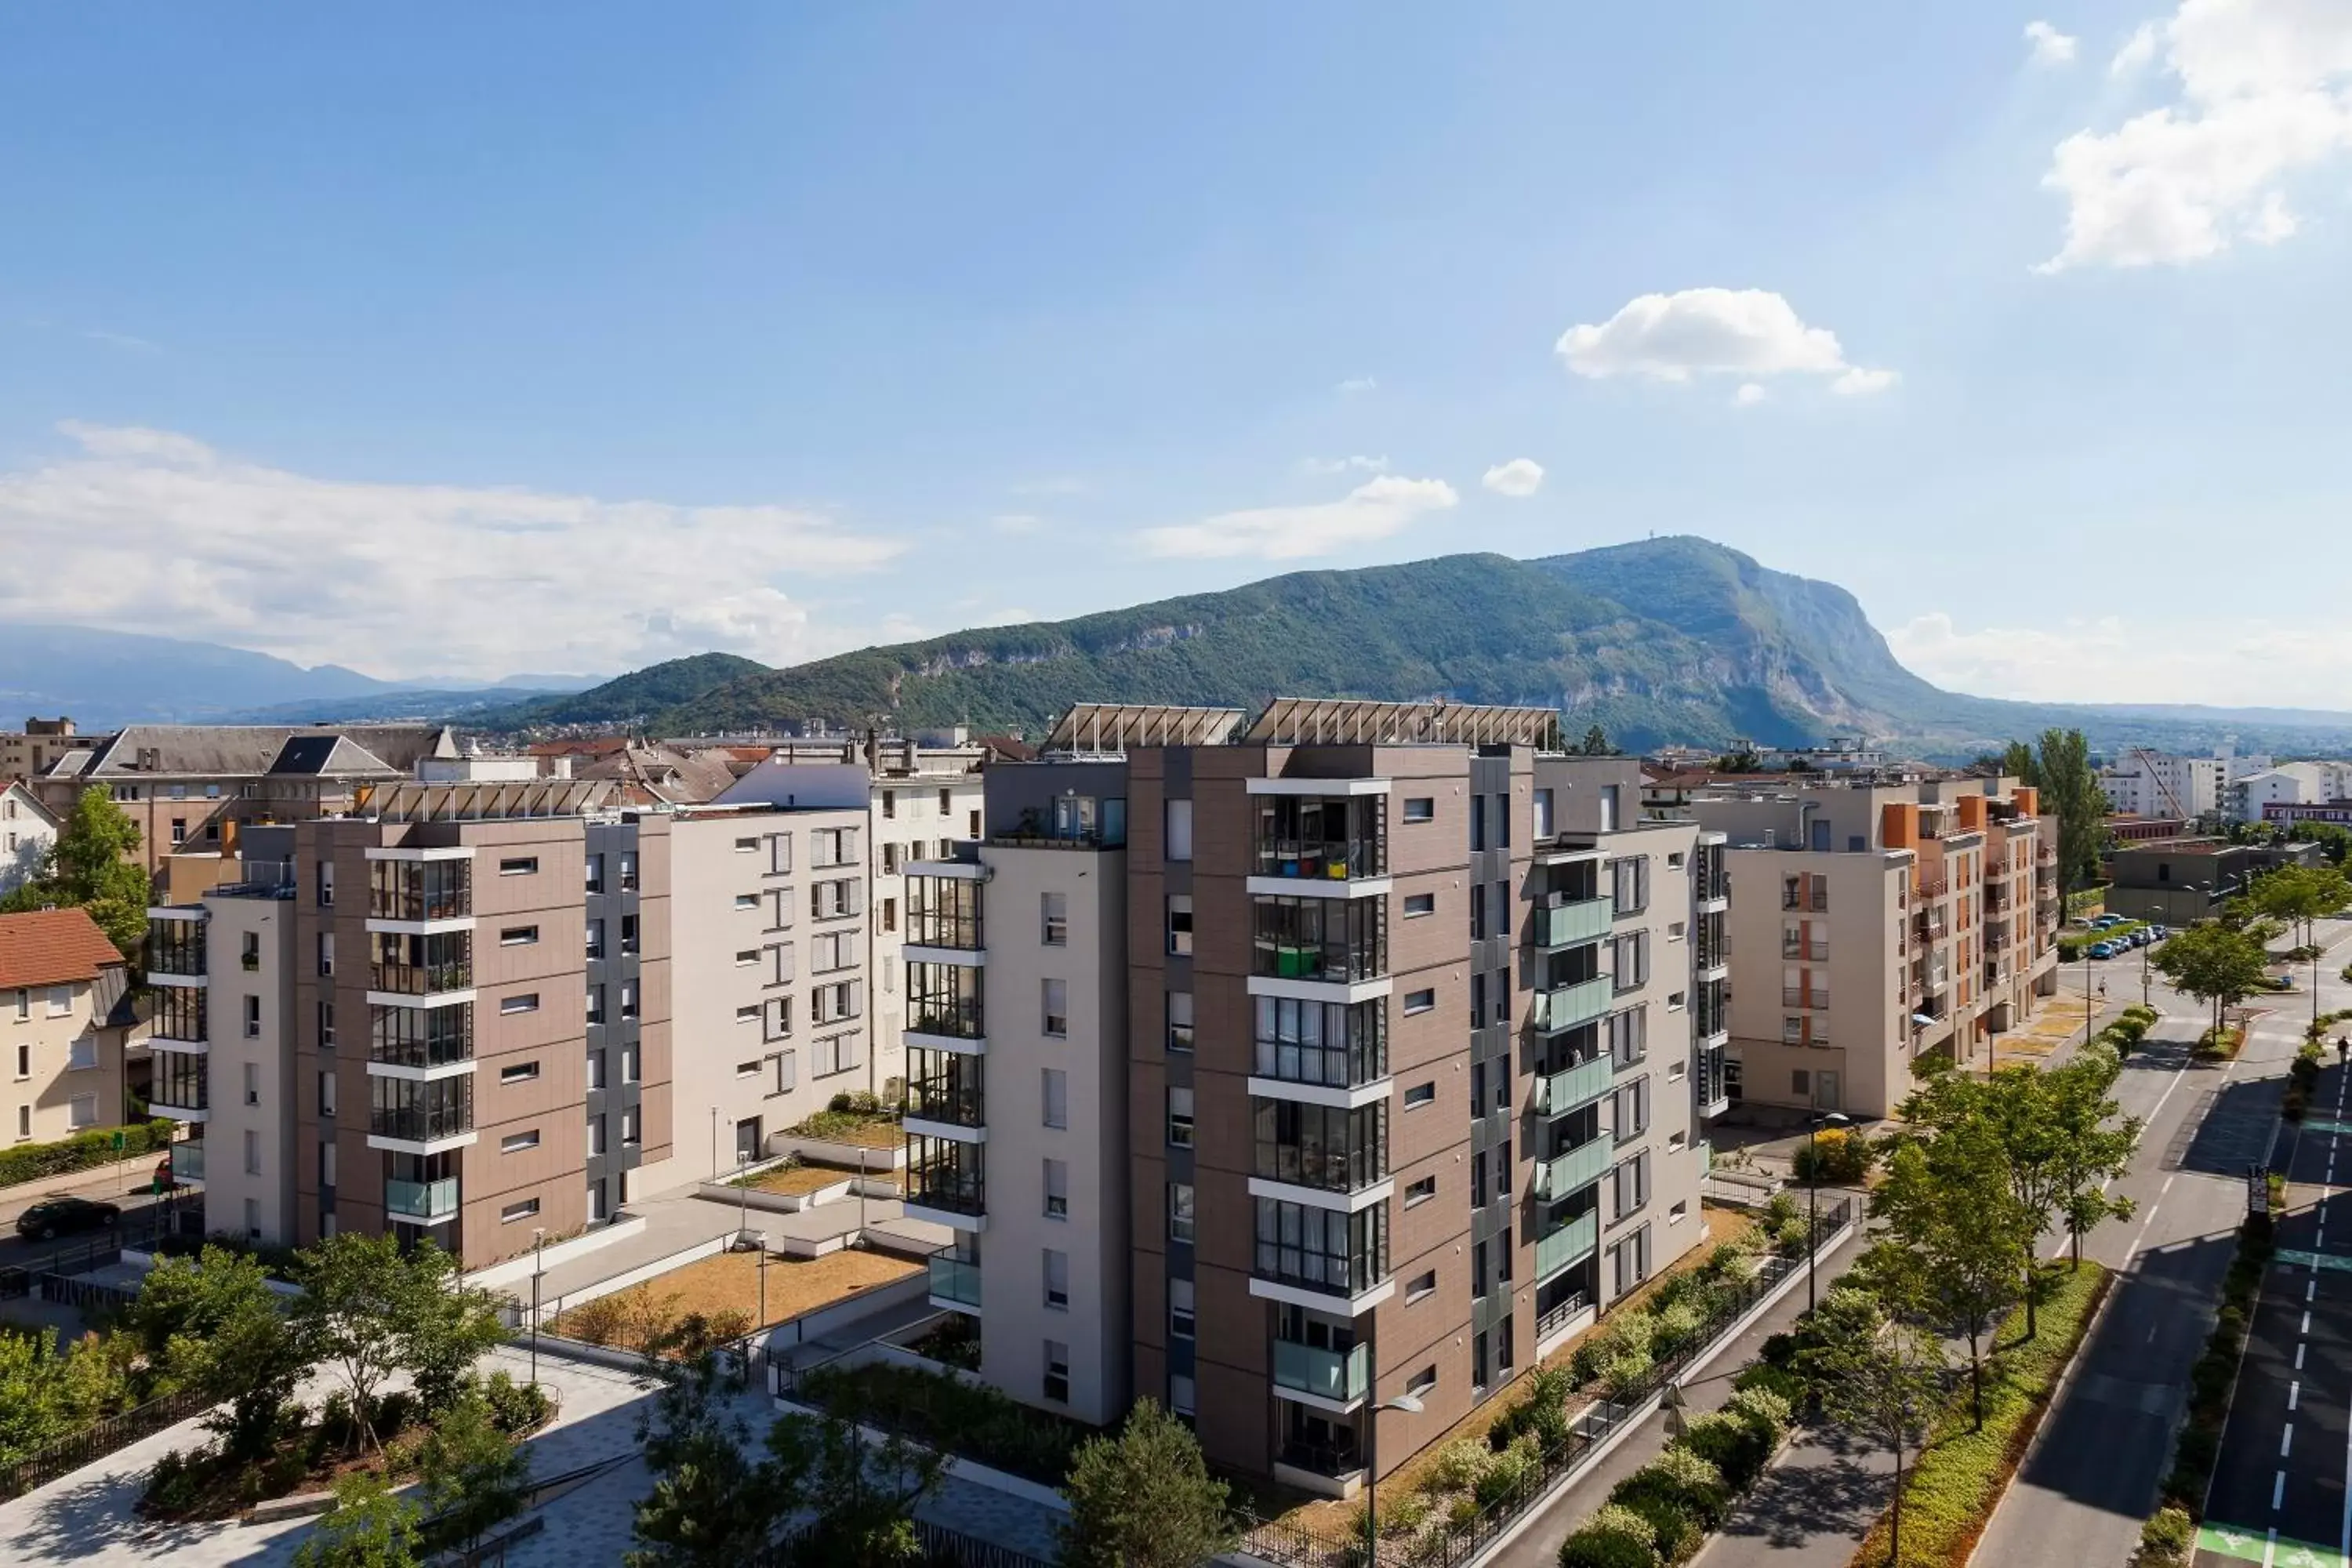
(657, 688)
(1666, 640)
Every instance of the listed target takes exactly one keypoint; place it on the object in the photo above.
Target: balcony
(188, 1162)
(1334, 837)
(176, 952)
(1560, 1092)
(404, 979)
(421, 1202)
(421, 1118)
(1566, 1006)
(1570, 1244)
(938, 1092)
(1932, 887)
(945, 1017)
(422, 1041)
(954, 1283)
(181, 1090)
(1342, 1377)
(1333, 941)
(945, 1183)
(1710, 1088)
(1580, 1167)
(1573, 920)
(415, 892)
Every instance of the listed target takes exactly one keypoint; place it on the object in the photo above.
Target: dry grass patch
(726, 1289)
(798, 1181)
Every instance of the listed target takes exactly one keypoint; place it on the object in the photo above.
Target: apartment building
(63, 1015)
(1016, 1091)
(2143, 782)
(27, 752)
(1928, 911)
(189, 787)
(27, 831)
(1414, 1069)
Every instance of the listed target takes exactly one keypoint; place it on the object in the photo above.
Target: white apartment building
(26, 831)
(2288, 784)
(2159, 784)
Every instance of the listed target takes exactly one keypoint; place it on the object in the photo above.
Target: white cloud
(1861, 382)
(2050, 47)
(2264, 93)
(2112, 659)
(1355, 384)
(1748, 332)
(2138, 51)
(2273, 223)
(1327, 467)
(1749, 395)
(159, 532)
(1377, 509)
(1518, 479)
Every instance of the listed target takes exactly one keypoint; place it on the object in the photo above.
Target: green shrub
(1462, 1514)
(1765, 1408)
(1728, 1262)
(516, 1407)
(2167, 1541)
(1685, 1482)
(976, 1423)
(1673, 1534)
(1503, 1476)
(1458, 1465)
(1613, 1538)
(1730, 1445)
(1675, 1325)
(1626, 1373)
(1403, 1515)
(1836, 1157)
(1782, 1383)
(86, 1149)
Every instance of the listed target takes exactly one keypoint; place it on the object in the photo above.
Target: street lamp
(1410, 1406)
(538, 1273)
(1813, 1171)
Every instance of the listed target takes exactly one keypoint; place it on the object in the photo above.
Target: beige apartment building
(63, 1015)
(31, 751)
(1877, 924)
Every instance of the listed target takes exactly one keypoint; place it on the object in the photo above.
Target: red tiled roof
(50, 947)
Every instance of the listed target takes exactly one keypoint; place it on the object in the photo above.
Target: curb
(2041, 1418)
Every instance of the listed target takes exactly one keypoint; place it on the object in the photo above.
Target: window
(1418, 1094)
(1179, 830)
(1629, 1261)
(1420, 1192)
(628, 999)
(326, 884)
(594, 880)
(837, 1053)
(1058, 1281)
(748, 845)
(1630, 964)
(1542, 815)
(1629, 1109)
(1419, 904)
(746, 958)
(1180, 1309)
(837, 949)
(527, 1209)
(1057, 1371)
(776, 1017)
(845, 999)
(82, 1052)
(1422, 1382)
(834, 901)
(1055, 914)
(890, 859)
(595, 1004)
(747, 1069)
(1179, 923)
(1055, 1094)
(519, 866)
(1179, 1211)
(248, 958)
(1793, 1033)
(326, 952)
(747, 1014)
(1421, 1288)
(326, 1094)
(518, 936)
(1058, 1189)
(1629, 1035)
(747, 900)
(1628, 1185)
(23, 1063)
(24, 1122)
(527, 1001)
(252, 1152)
(1179, 1117)
(889, 803)
(595, 934)
(252, 1015)
(788, 1071)
(519, 1072)
(1629, 881)
(629, 1136)
(516, 1142)
(81, 1111)
(1420, 1001)
(628, 870)
(1180, 1020)
(780, 854)
(1057, 1008)
(253, 1083)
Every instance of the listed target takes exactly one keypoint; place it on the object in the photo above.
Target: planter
(844, 1156)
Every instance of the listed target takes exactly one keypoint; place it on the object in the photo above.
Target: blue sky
(457, 341)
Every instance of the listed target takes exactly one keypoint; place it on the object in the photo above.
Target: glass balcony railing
(1571, 1243)
(1582, 919)
(1565, 1090)
(1342, 1376)
(188, 1162)
(955, 1280)
(1580, 1167)
(422, 979)
(177, 947)
(421, 1200)
(1566, 1006)
(953, 1098)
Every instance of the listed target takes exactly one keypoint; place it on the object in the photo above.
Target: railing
(1334, 859)
(1580, 1166)
(1571, 1243)
(421, 1124)
(1581, 919)
(1292, 1545)
(96, 1442)
(1338, 963)
(1565, 1006)
(1326, 1373)
(936, 1544)
(1563, 1091)
(959, 1104)
(1342, 1066)
(957, 1020)
(1321, 1459)
(188, 1162)
(393, 904)
(421, 1200)
(953, 1280)
(170, 950)
(1934, 887)
(965, 1195)
(437, 1049)
(422, 979)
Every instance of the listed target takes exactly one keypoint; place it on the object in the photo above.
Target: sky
(454, 341)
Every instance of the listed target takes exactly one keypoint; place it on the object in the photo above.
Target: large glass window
(420, 889)
(943, 1173)
(1305, 835)
(1325, 1146)
(182, 1081)
(1328, 1043)
(1320, 939)
(420, 1113)
(1322, 1249)
(944, 999)
(419, 965)
(943, 911)
(175, 947)
(421, 1036)
(179, 1013)
(944, 1086)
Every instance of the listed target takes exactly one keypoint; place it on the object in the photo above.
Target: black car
(57, 1216)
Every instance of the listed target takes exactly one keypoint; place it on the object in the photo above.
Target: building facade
(27, 831)
(62, 1019)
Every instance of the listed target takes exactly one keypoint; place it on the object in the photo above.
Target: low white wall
(778, 1202)
(550, 1306)
(825, 1151)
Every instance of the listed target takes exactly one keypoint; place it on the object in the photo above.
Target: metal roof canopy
(1102, 727)
(489, 800)
(1308, 721)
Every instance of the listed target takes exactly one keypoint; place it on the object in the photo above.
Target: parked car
(2107, 922)
(2103, 950)
(2279, 982)
(60, 1217)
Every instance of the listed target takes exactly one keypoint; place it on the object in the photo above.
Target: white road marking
(2278, 1491)
(2307, 1317)
(2298, 1358)
(2308, 1286)
(2286, 1440)
(2294, 1393)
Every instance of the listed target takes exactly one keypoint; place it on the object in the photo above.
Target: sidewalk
(108, 1183)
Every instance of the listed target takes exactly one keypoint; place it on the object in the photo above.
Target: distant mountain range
(105, 680)
(1663, 641)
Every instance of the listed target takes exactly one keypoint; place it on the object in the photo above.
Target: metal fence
(95, 1443)
(1294, 1546)
(940, 1544)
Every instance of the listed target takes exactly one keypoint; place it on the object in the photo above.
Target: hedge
(1952, 1489)
(1662, 1512)
(84, 1150)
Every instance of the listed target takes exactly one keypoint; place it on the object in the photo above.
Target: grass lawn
(793, 1180)
(730, 1283)
(1953, 1486)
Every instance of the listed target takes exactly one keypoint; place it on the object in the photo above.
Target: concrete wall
(255, 1204)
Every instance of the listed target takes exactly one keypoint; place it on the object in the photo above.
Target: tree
(45, 1397)
(2061, 770)
(444, 1325)
(213, 1324)
(866, 1497)
(476, 1476)
(1596, 742)
(2093, 1148)
(88, 869)
(1879, 1377)
(370, 1309)
(2300, 896)
(710, 1506)
(2214, 965)
(1144, 1499)
(368, 1527)
(1957, 1240)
